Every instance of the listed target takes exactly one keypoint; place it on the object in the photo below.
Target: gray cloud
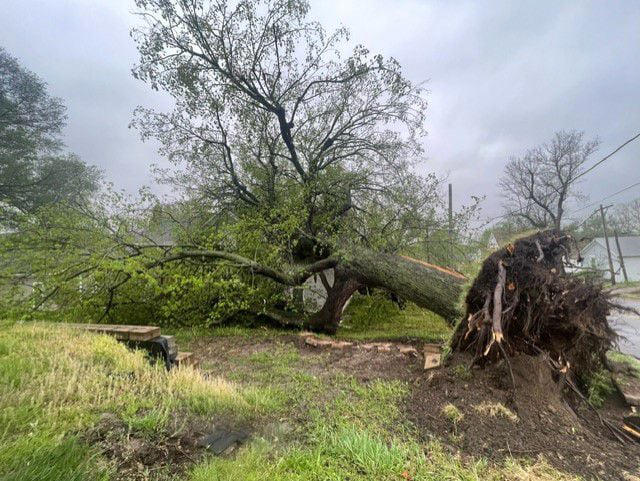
(501, 76)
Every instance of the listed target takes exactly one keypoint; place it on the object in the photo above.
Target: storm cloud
(500, 76)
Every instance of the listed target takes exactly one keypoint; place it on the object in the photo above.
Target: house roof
(629, 245)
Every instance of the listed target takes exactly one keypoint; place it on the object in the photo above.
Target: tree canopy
(34, 170)
(268, 106)
(291, 158)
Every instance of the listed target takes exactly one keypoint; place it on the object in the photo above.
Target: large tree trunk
(327, 319)
(427, 285)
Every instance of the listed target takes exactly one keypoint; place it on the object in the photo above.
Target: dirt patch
(169, 453)
(565, 431)
(549, 422)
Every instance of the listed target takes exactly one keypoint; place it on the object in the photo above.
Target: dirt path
(495, 421)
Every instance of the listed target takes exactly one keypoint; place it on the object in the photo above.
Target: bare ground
(549, 423)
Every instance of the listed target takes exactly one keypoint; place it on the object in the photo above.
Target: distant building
(594, 255)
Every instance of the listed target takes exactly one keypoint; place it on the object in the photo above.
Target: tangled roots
(521, 301)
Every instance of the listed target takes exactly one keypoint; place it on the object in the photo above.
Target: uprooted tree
(522, 302)
(292, 161)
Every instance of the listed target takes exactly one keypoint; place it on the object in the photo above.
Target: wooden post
(624, 270)
(450, 225)
(606, 240)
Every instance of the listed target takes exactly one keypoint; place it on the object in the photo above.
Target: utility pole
(624, 270)
(450, 223)
(606, 240)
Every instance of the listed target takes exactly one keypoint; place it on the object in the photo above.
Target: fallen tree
(428, 285)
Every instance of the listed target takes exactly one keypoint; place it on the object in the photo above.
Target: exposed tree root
(521, 301)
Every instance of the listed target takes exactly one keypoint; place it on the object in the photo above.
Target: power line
(605, 198)
(606, 157)
(620, 147)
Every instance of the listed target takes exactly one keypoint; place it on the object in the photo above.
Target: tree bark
(327, 319)
(427, 285)
(431, 287)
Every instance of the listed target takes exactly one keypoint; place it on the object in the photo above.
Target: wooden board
(122, 332)
(432, 356)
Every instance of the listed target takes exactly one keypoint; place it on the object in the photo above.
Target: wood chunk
(432, 356)
(185, 359)
(341, 344)
(412, 351)
(631, 425)
(315, 342)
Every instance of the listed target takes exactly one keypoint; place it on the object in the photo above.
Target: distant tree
(537, 185)
(626, 217)
(34, 171)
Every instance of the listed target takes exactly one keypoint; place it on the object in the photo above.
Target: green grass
(377, 318)
(185, 337)
(599, 387)
(356, 454)
(630, 361)
(56, 383)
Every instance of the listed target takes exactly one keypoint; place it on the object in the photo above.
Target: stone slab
(222, 440)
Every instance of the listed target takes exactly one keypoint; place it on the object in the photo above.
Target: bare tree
(537, 186)
(626, 217)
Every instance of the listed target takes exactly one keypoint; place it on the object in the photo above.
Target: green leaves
(33, 169)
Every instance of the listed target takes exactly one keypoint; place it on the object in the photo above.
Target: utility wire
(620, 147)
(605, 198)
(606, 157)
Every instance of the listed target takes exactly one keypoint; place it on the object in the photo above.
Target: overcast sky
(502, 76)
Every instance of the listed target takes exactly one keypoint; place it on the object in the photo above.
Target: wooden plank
(122, 332)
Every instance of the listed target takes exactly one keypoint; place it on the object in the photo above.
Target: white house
(595, 255)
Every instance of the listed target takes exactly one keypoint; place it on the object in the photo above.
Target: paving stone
(222, 440)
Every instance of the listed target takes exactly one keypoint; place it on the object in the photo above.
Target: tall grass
(56, 382)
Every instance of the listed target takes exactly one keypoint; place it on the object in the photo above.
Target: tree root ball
(523, 302)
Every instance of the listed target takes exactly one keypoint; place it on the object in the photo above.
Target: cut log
(185, 359)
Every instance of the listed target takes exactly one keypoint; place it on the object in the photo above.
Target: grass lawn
(58, 385)
(377, 318)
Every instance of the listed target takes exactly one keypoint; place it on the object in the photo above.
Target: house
(594, 255)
